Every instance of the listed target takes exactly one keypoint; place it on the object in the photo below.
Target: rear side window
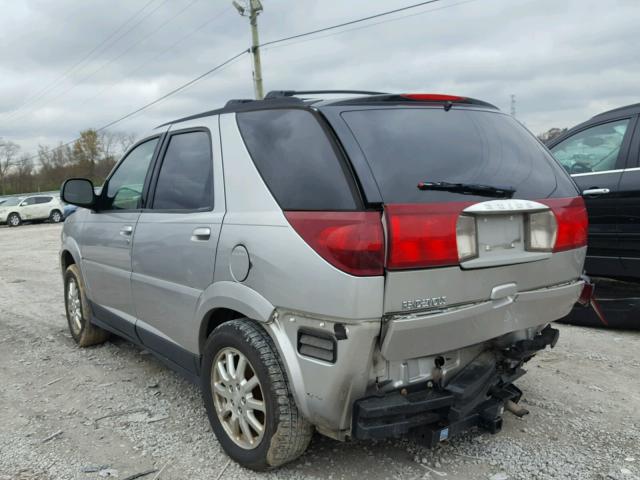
(297, 161)
(185, 181)
(43, 199)
(406, 146)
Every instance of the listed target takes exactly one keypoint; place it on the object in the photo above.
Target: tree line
(92, 156)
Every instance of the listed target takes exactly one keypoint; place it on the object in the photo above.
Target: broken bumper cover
(476, 396)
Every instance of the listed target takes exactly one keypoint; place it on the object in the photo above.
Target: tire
(286, 434)
(14, 220)
(55, 216)
(78, 311)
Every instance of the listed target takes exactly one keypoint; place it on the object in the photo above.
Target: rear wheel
(79, 311)
(248, 400)
(56, 216)
(14, 220)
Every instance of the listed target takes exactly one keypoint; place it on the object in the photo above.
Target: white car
(34, 207)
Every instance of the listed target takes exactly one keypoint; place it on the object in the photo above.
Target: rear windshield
(405, 146)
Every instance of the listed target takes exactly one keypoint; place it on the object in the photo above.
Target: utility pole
(513, 105)
(251, 10)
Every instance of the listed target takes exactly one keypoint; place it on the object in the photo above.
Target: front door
(106, 239)
(175, 243)
(29, 209)
(595, 157)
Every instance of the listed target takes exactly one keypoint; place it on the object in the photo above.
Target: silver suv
(366, 266)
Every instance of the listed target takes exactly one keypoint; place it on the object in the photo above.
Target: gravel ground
(113, 411)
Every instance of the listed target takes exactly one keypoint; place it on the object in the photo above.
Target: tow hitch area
(477, 396)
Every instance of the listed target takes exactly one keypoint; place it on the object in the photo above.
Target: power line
(66, 73)
(415, 14)
(125, 51)
(161, 53)
(13, 117)
(248, 50)
(351, 22)
(176, 90)
(218, 67)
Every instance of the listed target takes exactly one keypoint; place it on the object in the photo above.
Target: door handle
(201, 234)
(595, 191)
(126, 231)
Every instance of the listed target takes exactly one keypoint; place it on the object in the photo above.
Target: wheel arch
(224, 301)
(67, 259)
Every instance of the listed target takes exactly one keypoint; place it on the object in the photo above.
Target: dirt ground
(114, 411)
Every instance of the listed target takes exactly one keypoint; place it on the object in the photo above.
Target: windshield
(12, 202)
(406, 146)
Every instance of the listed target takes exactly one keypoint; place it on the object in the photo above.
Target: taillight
(350, 241)
(571, 216)
(424, 235)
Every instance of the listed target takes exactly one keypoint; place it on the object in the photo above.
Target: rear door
(405, 146)
(595, 157)
(175, 240)
(44, 205)
(629, 224)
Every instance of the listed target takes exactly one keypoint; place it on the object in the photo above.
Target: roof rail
(291, 93)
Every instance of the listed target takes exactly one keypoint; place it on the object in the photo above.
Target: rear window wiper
(469, 189)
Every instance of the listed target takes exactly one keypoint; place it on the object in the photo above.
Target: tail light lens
(571, 216)
(542, 230)
(350, 241)
(424, 235)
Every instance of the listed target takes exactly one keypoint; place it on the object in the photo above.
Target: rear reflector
(423, 235)
(571, 216)
(433, 97)
(350, 241)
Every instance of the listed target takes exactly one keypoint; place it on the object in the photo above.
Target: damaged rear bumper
(476, 396)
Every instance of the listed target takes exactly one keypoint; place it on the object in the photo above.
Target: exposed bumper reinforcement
(475, 397)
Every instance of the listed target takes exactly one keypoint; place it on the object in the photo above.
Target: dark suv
(603, 157)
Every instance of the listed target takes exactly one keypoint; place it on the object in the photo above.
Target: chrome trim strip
(633, 169)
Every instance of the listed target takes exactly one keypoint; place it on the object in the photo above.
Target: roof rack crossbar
(291, 93)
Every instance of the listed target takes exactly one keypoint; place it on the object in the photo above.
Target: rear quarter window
(297, 160)
(405, 146)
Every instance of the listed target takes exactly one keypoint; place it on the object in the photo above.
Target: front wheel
(78, 310)
(248, 400)
(14, 220)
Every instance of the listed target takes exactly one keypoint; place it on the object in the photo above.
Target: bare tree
(8, 155)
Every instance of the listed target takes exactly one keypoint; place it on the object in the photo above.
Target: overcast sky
(564, 60)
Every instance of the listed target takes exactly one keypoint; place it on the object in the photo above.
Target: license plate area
(501, 241)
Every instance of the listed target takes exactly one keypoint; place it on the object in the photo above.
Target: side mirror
(78, 191)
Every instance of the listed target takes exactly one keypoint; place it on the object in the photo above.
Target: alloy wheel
(14, 220)
(74, 306)
(56, 217)
(238, 398)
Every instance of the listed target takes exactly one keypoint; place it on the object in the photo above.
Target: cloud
(564, 61)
